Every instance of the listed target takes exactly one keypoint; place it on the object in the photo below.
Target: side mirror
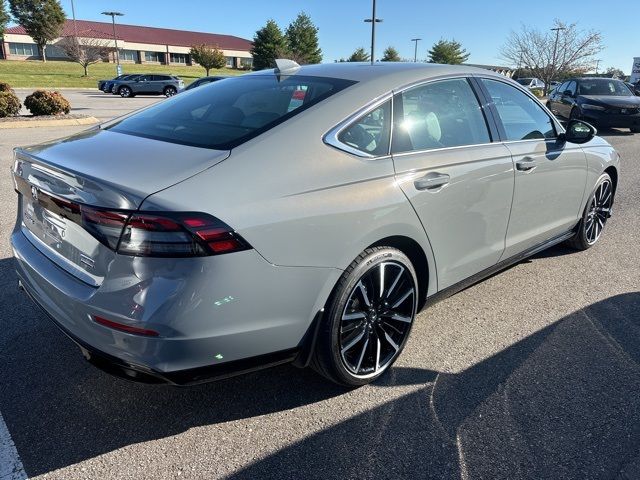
(578, 132)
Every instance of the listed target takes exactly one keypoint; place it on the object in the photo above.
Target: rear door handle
(431, 181)
(526, 164)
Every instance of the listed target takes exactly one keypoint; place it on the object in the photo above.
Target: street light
(415, 50)
(555, 49)
(113, 16)
(373, 20)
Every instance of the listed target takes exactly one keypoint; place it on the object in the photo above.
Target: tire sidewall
(340, 299)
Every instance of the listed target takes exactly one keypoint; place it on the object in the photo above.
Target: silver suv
(149, 84)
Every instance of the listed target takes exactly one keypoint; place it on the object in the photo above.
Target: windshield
(524, 81)
(226, 113)
(603, 86)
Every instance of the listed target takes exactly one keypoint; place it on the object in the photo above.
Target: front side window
(571, 88)
(371, 132)
(440, 114)
(229, 113)
(521, 116)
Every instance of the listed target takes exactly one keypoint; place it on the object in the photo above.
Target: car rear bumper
(207, 329)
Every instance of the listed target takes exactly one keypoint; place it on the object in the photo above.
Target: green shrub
(42, 102)
(5, 87)
(9, 104)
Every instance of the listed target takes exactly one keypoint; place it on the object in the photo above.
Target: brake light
(162, 234)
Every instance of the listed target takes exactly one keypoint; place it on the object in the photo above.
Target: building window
(246, 63)
(230, 62)
(55, 52)
(154, 57)
(23, 49)
(129, 55)
(179, 58)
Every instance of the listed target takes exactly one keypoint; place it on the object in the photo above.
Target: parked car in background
(304, 214)
(102, 82)
(203, 81)
(108, 84)
(603, 102)
(148, 84)
(634, 87)
(531, 83)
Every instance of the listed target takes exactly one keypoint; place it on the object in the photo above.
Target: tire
(575, 114)
(357, 343)
(595, 216)
(169, 91)
(125, 92)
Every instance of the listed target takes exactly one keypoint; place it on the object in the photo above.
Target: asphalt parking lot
(533, 373)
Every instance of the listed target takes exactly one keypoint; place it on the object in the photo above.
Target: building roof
(152, 35)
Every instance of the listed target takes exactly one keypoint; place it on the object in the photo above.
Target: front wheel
(368, 319)
(575, 114)
(596, 214)
(125, 92)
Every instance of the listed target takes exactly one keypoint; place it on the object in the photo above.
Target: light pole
(113, 16)
(555, 50)
(597, 65)
(373, 20)
(415, 50)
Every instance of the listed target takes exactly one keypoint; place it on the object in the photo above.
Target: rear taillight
(162, 234)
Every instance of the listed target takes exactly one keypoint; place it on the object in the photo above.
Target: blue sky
(481, 27)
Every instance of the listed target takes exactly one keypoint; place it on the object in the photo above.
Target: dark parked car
(149, 84)
(203, 81)
(101, 83)
(108, 84)
(604, 102)
(634, 87)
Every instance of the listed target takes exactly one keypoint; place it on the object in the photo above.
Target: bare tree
(557, 51)
(85, 51)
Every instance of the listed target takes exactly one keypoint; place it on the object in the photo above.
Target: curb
(55, 122)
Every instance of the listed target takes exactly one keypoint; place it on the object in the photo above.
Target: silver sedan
(302, 214)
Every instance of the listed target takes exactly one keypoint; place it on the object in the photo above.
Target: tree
(449, 52)
(208, 57)
(551, 54)
(84, 51)
(302, 40)
(359, 55)
(42, 19)
(390, 55)
(613, 72)
(4, 18)
(268, 44)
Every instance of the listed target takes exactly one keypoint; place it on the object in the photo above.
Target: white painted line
(10, 465)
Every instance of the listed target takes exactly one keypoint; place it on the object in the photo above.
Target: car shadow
(561, 403)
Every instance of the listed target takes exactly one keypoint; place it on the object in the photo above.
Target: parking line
(10, 465)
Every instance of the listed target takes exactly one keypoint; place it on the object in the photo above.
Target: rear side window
(439, 114)
(227, 114)
(521, 116)
(371, 132)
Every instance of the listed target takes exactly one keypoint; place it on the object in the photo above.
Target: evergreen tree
(390, 55)
(302, 40)
(42, 19)
(359, 55)
(4, 17)
(268, 44)
(449, 52)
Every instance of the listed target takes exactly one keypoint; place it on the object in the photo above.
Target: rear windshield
(226, 113)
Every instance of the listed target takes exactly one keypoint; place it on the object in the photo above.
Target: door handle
(432, 180)
(526, 164)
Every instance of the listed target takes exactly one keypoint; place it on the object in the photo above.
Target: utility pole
(555, 51)
(373, 20)
(73, 14)
(113, 16)
(597, 65)
(415, 50)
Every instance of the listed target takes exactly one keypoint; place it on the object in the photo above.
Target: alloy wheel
(599, 211)
(125, 92)
(377, 319)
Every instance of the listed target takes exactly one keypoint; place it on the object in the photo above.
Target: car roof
(399, 72)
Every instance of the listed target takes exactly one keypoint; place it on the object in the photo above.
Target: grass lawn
(55, 74)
